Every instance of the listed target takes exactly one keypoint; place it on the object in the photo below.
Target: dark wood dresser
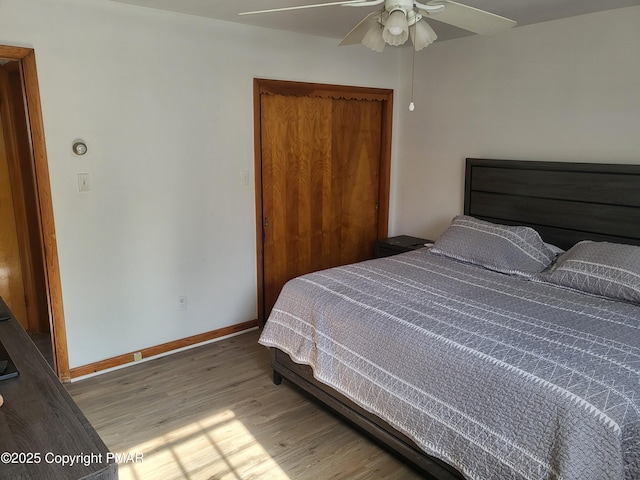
(41, 427)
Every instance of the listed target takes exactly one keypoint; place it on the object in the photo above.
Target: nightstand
(394, 245)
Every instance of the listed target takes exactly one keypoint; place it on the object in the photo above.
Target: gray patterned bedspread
(500, 377)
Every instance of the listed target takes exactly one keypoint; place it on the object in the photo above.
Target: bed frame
(564, 202)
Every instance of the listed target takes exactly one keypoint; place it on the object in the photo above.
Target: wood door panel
(320, 163)
(19, 161)
(27, 219)
(356, 142)
(11, 280)
(295, 159)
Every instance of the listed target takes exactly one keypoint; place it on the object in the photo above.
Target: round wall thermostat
(79, 147)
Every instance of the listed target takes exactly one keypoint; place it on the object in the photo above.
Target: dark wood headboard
(564, 202)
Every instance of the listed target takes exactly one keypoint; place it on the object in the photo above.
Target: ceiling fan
(401, 19)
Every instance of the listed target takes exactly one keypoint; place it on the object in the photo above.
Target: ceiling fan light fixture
(373, 38)
(422, 35)
(396, 30)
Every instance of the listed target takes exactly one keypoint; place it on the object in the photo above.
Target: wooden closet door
(356, 141)
(320, 185)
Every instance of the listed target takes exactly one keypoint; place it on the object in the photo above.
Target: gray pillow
(601, 268)
(508, 249)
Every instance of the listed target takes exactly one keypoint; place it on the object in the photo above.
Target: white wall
(164, 102)
(567, 90)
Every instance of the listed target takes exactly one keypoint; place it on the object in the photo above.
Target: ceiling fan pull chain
(412, 106)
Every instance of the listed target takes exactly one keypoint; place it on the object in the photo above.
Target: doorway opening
(32, 288)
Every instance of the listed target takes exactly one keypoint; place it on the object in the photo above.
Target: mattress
(499, 376)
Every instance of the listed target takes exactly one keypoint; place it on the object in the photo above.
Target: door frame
(40, 166)
(283, 87)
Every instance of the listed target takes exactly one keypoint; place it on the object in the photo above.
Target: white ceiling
(337, 21)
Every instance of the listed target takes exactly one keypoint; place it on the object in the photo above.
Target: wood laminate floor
(212, 412)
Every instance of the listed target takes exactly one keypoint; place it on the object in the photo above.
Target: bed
(498, 353)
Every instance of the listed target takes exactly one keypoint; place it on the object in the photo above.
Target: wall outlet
(182, 302)
(137, 356)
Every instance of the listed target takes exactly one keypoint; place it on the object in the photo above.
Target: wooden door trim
(257, 160)
(281, 87)
(26, 57)
(299, 89)
(385, 167)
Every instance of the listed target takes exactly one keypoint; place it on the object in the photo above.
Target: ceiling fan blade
(364, 3)
(358, 32)
(469, 18)
(302, 7)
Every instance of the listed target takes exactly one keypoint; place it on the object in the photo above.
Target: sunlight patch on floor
(219, 447)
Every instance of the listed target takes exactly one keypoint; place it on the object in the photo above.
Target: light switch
(244, 177)
(84, 182)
